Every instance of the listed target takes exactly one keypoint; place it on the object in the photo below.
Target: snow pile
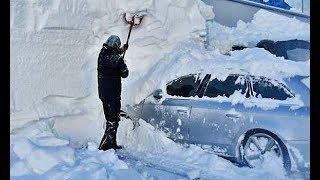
(265, 25)
(36, 152)
(190, 57)
(152, 141)
(151, 145)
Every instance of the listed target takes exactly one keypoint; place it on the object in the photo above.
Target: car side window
(185, 86)
(227, 87)
(267, 88)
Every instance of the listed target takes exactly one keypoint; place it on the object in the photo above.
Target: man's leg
(112, 115)
(116, 120)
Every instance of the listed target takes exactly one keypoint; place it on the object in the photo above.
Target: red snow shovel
(135, 21)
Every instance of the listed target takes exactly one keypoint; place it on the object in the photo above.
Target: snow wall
(54, 47)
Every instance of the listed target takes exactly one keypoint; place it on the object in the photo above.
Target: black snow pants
(111, 110)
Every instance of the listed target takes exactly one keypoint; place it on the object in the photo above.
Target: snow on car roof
(191, 57)
(251, 61)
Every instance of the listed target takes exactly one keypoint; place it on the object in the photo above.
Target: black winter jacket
(111, 68)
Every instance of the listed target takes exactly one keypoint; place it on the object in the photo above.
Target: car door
(214, 119)
(171, 113)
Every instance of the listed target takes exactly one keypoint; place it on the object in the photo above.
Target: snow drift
(55, 44)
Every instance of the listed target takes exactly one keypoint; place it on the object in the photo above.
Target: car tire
(264, 133)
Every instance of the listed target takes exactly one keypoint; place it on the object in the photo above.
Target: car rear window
(267, 88)
(184, 86)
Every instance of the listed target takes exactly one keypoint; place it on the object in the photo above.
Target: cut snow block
(111, 159)
(49, 141)
(79, 129)
(40, 161)
(19, 119)
(22, 148)
(125, 174)
(19, 169)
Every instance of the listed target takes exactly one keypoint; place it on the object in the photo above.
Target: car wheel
(260, 146)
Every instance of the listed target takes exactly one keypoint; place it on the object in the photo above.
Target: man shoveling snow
(111, 68)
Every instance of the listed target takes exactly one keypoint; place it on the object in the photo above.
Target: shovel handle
(132, 23)
(127, 42)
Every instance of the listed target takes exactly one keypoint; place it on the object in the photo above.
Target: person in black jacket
(111, 68)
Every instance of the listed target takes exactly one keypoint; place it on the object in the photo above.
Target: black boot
(105, 143)
(117, 147)
(108, 140)
(106, 146)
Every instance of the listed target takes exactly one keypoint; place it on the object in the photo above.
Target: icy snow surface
(56, 118)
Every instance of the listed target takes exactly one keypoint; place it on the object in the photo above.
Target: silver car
(192, 110)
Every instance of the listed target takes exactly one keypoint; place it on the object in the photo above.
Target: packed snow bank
(54, 45)
(265, 25)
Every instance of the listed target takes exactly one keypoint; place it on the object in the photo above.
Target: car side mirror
(157, 94)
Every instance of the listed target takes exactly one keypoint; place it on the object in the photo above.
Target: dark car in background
(294, 49)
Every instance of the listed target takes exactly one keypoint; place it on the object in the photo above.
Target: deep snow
(56, 118)
(149, 148)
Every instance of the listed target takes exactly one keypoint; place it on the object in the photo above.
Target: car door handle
(233, 115)
(182, 111)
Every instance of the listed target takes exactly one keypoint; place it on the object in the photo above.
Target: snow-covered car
(243, 117)
(293, 49)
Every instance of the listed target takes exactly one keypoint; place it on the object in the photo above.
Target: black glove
(125, 47)
(121, 60)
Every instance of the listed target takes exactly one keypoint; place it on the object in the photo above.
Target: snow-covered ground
(56, 118)
(38, 153)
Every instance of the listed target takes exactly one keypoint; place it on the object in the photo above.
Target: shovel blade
(134, 18)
